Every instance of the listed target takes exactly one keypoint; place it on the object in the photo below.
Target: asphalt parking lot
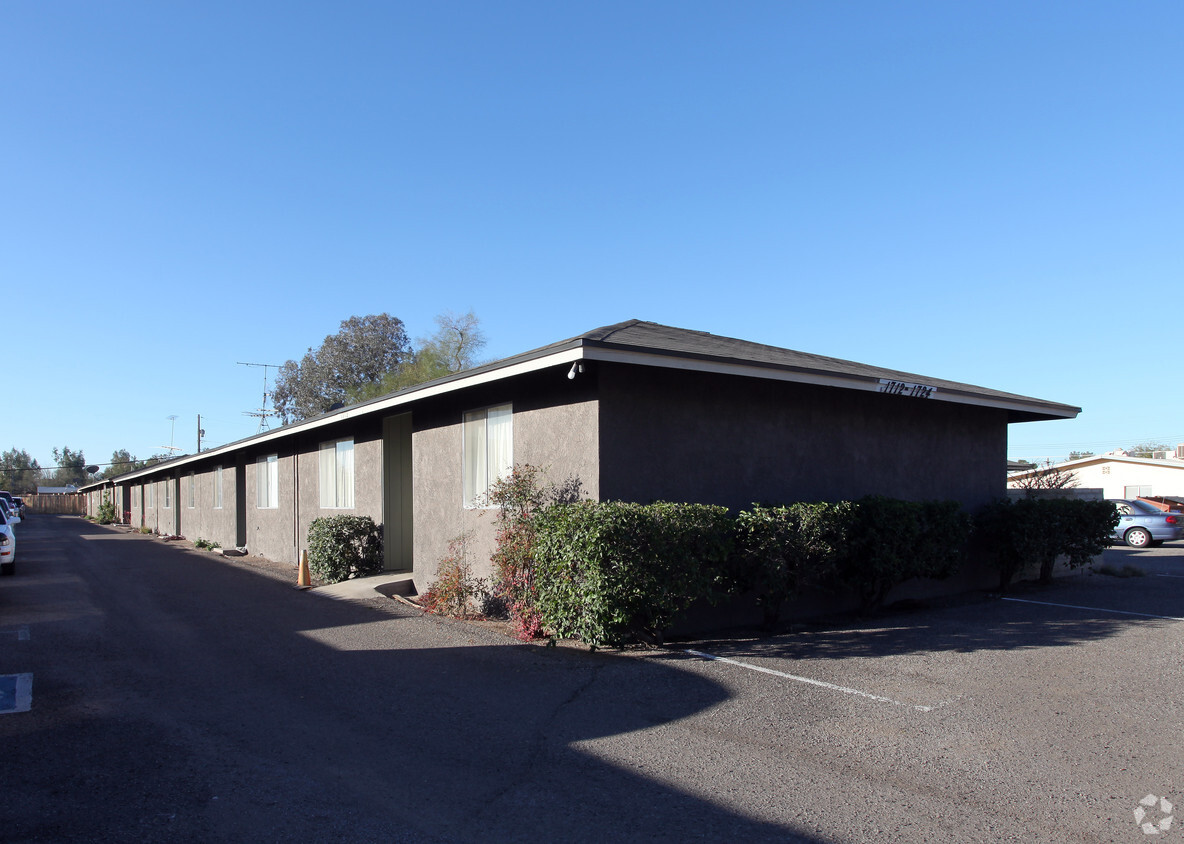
(1044, 714)
(182, 696)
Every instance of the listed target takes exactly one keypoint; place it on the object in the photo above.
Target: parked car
(1140, 524)
(21, 509)
(9, 510)
(7, 546)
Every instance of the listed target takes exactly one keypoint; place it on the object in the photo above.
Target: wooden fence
(56, 503)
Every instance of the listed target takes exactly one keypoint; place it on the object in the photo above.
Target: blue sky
(986, 192)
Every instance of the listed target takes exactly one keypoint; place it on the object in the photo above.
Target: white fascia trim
(533, 365)
(593, 353)
(773, 373)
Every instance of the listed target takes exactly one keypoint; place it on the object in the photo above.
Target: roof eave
(1019, 408)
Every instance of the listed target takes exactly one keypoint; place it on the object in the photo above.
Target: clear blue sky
(986, 192)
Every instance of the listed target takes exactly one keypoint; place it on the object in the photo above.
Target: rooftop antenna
(173, 420)
(262, 413)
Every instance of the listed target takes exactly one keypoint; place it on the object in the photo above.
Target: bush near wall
(609, 572)
(890, 541)
(341, 547)
(106, 512)
(783, 550)
(1036, 531)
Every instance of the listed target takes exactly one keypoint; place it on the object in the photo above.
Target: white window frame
(167, 504)
(151, 496)
(191, 488)
(217, 487)
(488, 446)
(335, 460)
(267, 482)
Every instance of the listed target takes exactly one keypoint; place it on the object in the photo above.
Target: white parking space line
(16, 693)
(1181, 576)
(810, 681)
(1094, 609)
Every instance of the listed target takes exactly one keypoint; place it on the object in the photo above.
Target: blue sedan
(1140, 524)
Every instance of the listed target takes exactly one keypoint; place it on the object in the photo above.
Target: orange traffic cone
(303, 578)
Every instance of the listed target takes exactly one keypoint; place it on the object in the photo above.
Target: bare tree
(456, 341)
(1046, 476)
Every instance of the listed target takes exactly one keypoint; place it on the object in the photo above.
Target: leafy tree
(19, 472)
(453, 348)
(69, 467)
(359, 355)
(1147, 449)
(123, 461)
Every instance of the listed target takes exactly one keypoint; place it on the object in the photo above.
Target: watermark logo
(1154, 815)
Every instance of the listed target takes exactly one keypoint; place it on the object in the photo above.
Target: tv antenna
(172, 429)
(262, 413)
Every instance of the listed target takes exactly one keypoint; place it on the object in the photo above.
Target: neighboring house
(1119, 476)
(635, 411)
(68, 489)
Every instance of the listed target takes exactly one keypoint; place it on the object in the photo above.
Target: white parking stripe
(1094, 609)
(21, 686)
(1170, 575)
(809, 680)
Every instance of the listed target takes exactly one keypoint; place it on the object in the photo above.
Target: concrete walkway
(365, 588)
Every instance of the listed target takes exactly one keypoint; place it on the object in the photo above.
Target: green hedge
(609, 572)
(341, 547)
(1036, 531)
(890, 541)
(782, 550)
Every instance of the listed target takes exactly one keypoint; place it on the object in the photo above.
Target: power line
(1133, 440)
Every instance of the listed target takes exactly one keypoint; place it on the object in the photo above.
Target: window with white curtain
(168, 493)
(217, 487)
(190, 495)
(267, 482)
(151, 495)
(337, 475)
(489, 451)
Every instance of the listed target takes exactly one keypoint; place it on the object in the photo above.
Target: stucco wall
(555, 428)
(367, 481)
(135, 497)
(148, 509)
(271, 533)
(686, 436)
(158, 517)
(204, 520)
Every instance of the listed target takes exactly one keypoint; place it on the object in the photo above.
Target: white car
(7, 545)
(10, 511)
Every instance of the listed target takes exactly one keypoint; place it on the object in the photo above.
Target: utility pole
(200, 433)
